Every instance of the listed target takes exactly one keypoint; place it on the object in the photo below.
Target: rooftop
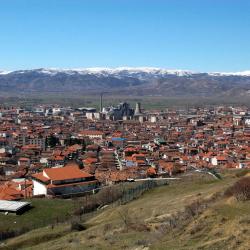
(64, 173)
(12, 206)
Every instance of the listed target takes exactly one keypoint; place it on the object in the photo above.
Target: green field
(42, 213)
(148, 102)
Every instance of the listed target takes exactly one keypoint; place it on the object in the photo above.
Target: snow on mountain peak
(118, 71)
(139, 72)
(241, 73)
(4, 72)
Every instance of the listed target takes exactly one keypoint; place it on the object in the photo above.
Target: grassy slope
(224, 225)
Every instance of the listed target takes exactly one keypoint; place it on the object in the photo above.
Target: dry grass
(215, 227)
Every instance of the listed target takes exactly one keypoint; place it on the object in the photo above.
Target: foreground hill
(132, 81)
(192, 213)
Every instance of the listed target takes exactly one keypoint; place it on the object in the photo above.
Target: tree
(51, 141)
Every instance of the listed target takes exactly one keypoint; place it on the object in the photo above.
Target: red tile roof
(8, 192)
(90, 132)
(65, 173)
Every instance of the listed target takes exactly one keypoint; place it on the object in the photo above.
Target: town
(53, 151)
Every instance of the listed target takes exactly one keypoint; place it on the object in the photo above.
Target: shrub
(75, 226)
(194, 208)
(240, 190)
(92, 206)
(215, 173)
(12, 233)
(139, 227)
(78, 212)
(109, 195)
(242, 173)
(142, 242)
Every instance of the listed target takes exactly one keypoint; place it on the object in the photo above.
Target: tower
(138, 108)
(101, 102)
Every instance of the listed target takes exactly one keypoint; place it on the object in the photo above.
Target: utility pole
(25, 191)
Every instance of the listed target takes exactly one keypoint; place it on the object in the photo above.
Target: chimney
(101, 102)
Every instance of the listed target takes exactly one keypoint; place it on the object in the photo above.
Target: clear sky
(201, 35)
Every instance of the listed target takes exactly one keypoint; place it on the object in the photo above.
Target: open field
(224, 222)
(148, 102)
(43, 213)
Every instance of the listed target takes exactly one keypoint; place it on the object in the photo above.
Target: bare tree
(125, 217)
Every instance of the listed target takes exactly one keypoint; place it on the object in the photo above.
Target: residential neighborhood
(53, 151)
(125, 125)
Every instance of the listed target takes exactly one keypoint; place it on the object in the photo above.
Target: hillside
(191, 213)
(126, 81)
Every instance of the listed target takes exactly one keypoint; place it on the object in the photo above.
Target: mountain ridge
(149, 70)
(126, 80)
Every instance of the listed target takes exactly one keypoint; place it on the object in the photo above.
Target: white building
(67, 180)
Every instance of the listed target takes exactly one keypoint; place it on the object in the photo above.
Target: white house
(67, 180)
(92, 134)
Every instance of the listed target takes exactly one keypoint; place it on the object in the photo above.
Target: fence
(115, 195)
(91, 204)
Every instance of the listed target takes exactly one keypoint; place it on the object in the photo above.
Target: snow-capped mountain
(242, 73)
(5, 72)
(126, 80)
(125, 71)
(139, 72)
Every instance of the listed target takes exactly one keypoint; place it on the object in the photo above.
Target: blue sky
(201, 35)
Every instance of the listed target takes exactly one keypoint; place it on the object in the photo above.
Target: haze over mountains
(128, 81)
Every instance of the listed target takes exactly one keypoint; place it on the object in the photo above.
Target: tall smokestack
(101, 102)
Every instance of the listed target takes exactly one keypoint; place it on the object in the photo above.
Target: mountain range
(127, 81)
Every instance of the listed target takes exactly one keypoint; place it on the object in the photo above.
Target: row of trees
(119, 194)
(52, 141)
